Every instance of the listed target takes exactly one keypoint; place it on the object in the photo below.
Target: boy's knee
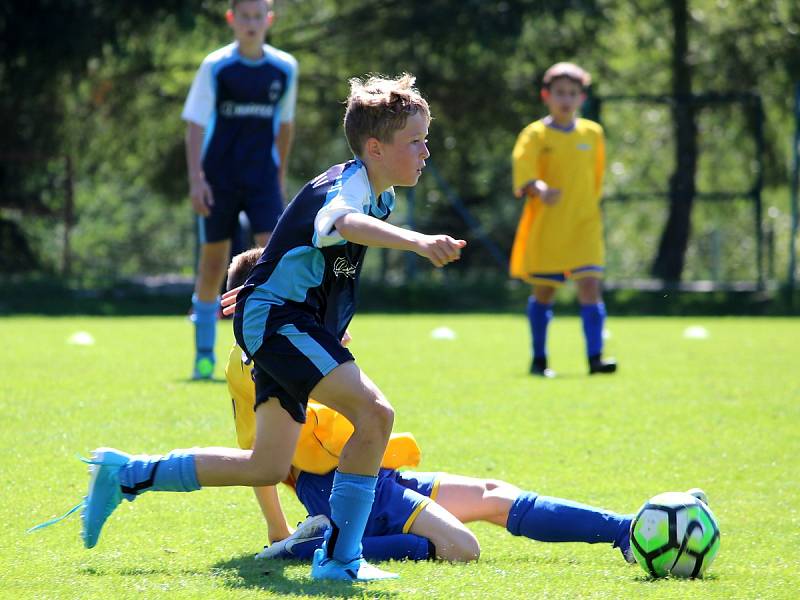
(377, 417)
(461, 546)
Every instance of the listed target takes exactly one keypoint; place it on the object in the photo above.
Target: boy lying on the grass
(415, 515)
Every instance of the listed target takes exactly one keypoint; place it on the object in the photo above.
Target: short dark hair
(241, 265)
(235, 2)
(566, 70)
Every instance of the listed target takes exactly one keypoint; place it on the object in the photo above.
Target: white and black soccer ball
(675, 533)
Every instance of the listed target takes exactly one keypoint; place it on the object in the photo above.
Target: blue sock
(204, 318)
(174, 472)
(351, 502)
(400, 546)
(539, 317)
(548, 519)
(593, 317)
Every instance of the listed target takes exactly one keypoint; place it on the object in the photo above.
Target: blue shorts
(291, 361)
(399, 498)
(263, 208)
(557, 279)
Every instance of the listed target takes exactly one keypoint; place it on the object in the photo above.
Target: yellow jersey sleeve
(525, 157)
(239, 376)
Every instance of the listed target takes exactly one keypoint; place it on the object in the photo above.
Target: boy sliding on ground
(415, 515)
(290, 316)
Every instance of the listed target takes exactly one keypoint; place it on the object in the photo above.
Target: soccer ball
(674, 534)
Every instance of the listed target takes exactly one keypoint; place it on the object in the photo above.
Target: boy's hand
(547, 194)
(346, 339)
(440, 249)
(228, 301)
(201, 196)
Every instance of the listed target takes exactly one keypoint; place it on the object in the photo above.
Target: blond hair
(378, 106)
(566, 70)
(241, 265)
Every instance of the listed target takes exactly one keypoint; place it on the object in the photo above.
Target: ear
(545, 94)
(270, 18)
(229, 16)
(373, 148)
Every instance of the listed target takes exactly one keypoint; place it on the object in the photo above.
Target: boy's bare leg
(214, 259)
(451, 538)
(267, 463)
(349, 391)
(471, 499)
(589, 290)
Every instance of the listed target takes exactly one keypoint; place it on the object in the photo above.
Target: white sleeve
(325, 233)
(289, 99)
(200, 101)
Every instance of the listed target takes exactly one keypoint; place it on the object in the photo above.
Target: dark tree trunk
(668, 264)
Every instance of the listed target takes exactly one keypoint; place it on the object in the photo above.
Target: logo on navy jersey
(275, 90)
(251, 109)
(342, 266)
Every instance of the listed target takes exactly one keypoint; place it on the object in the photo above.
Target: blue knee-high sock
(548, 519)
(400, 546)
(593, 317)
(174, 472)
(351, 502)
(204, 318)
(539, 317)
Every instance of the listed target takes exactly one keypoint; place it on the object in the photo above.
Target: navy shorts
(291, 361)
(263, 209)
(399, 498)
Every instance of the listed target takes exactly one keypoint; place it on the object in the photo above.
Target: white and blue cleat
(104, 493)
(356, 570)
(311, 531)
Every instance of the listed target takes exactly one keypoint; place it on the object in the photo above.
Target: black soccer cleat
(598, 364)
(539, 368)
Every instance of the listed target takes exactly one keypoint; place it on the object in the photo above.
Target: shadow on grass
(245, 572)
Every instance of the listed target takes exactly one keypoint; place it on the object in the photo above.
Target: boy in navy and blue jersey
(240, 124)
(289, 319)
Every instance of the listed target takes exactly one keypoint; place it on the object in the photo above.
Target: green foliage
(719, 412)
(105, 82)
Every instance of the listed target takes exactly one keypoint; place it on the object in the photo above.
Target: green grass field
(722, 413)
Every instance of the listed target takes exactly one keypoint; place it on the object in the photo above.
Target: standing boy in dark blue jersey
(240, 124)
(290, 317)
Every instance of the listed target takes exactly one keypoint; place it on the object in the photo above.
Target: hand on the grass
(228, 301)
(201, 196)
(440, 249)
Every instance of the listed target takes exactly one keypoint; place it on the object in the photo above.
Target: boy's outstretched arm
(277, 527)
(369, 231)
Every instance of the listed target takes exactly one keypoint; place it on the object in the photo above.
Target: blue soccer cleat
(309, 532)
(104, 492)
(355, 570)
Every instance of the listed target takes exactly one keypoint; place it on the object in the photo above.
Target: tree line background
(92, 93)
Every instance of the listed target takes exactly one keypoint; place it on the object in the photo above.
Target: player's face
(564, 98)
(405, 155)
(250, 21)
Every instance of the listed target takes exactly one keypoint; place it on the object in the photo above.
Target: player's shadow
(245, 572)
(202, 381)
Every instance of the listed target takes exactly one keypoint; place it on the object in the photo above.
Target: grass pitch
(721, 412)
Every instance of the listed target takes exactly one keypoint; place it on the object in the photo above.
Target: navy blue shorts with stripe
(263, 209)
(399, 498)
(291, 362)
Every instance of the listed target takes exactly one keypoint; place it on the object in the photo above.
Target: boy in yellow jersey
(558, 165)
(415, 515)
